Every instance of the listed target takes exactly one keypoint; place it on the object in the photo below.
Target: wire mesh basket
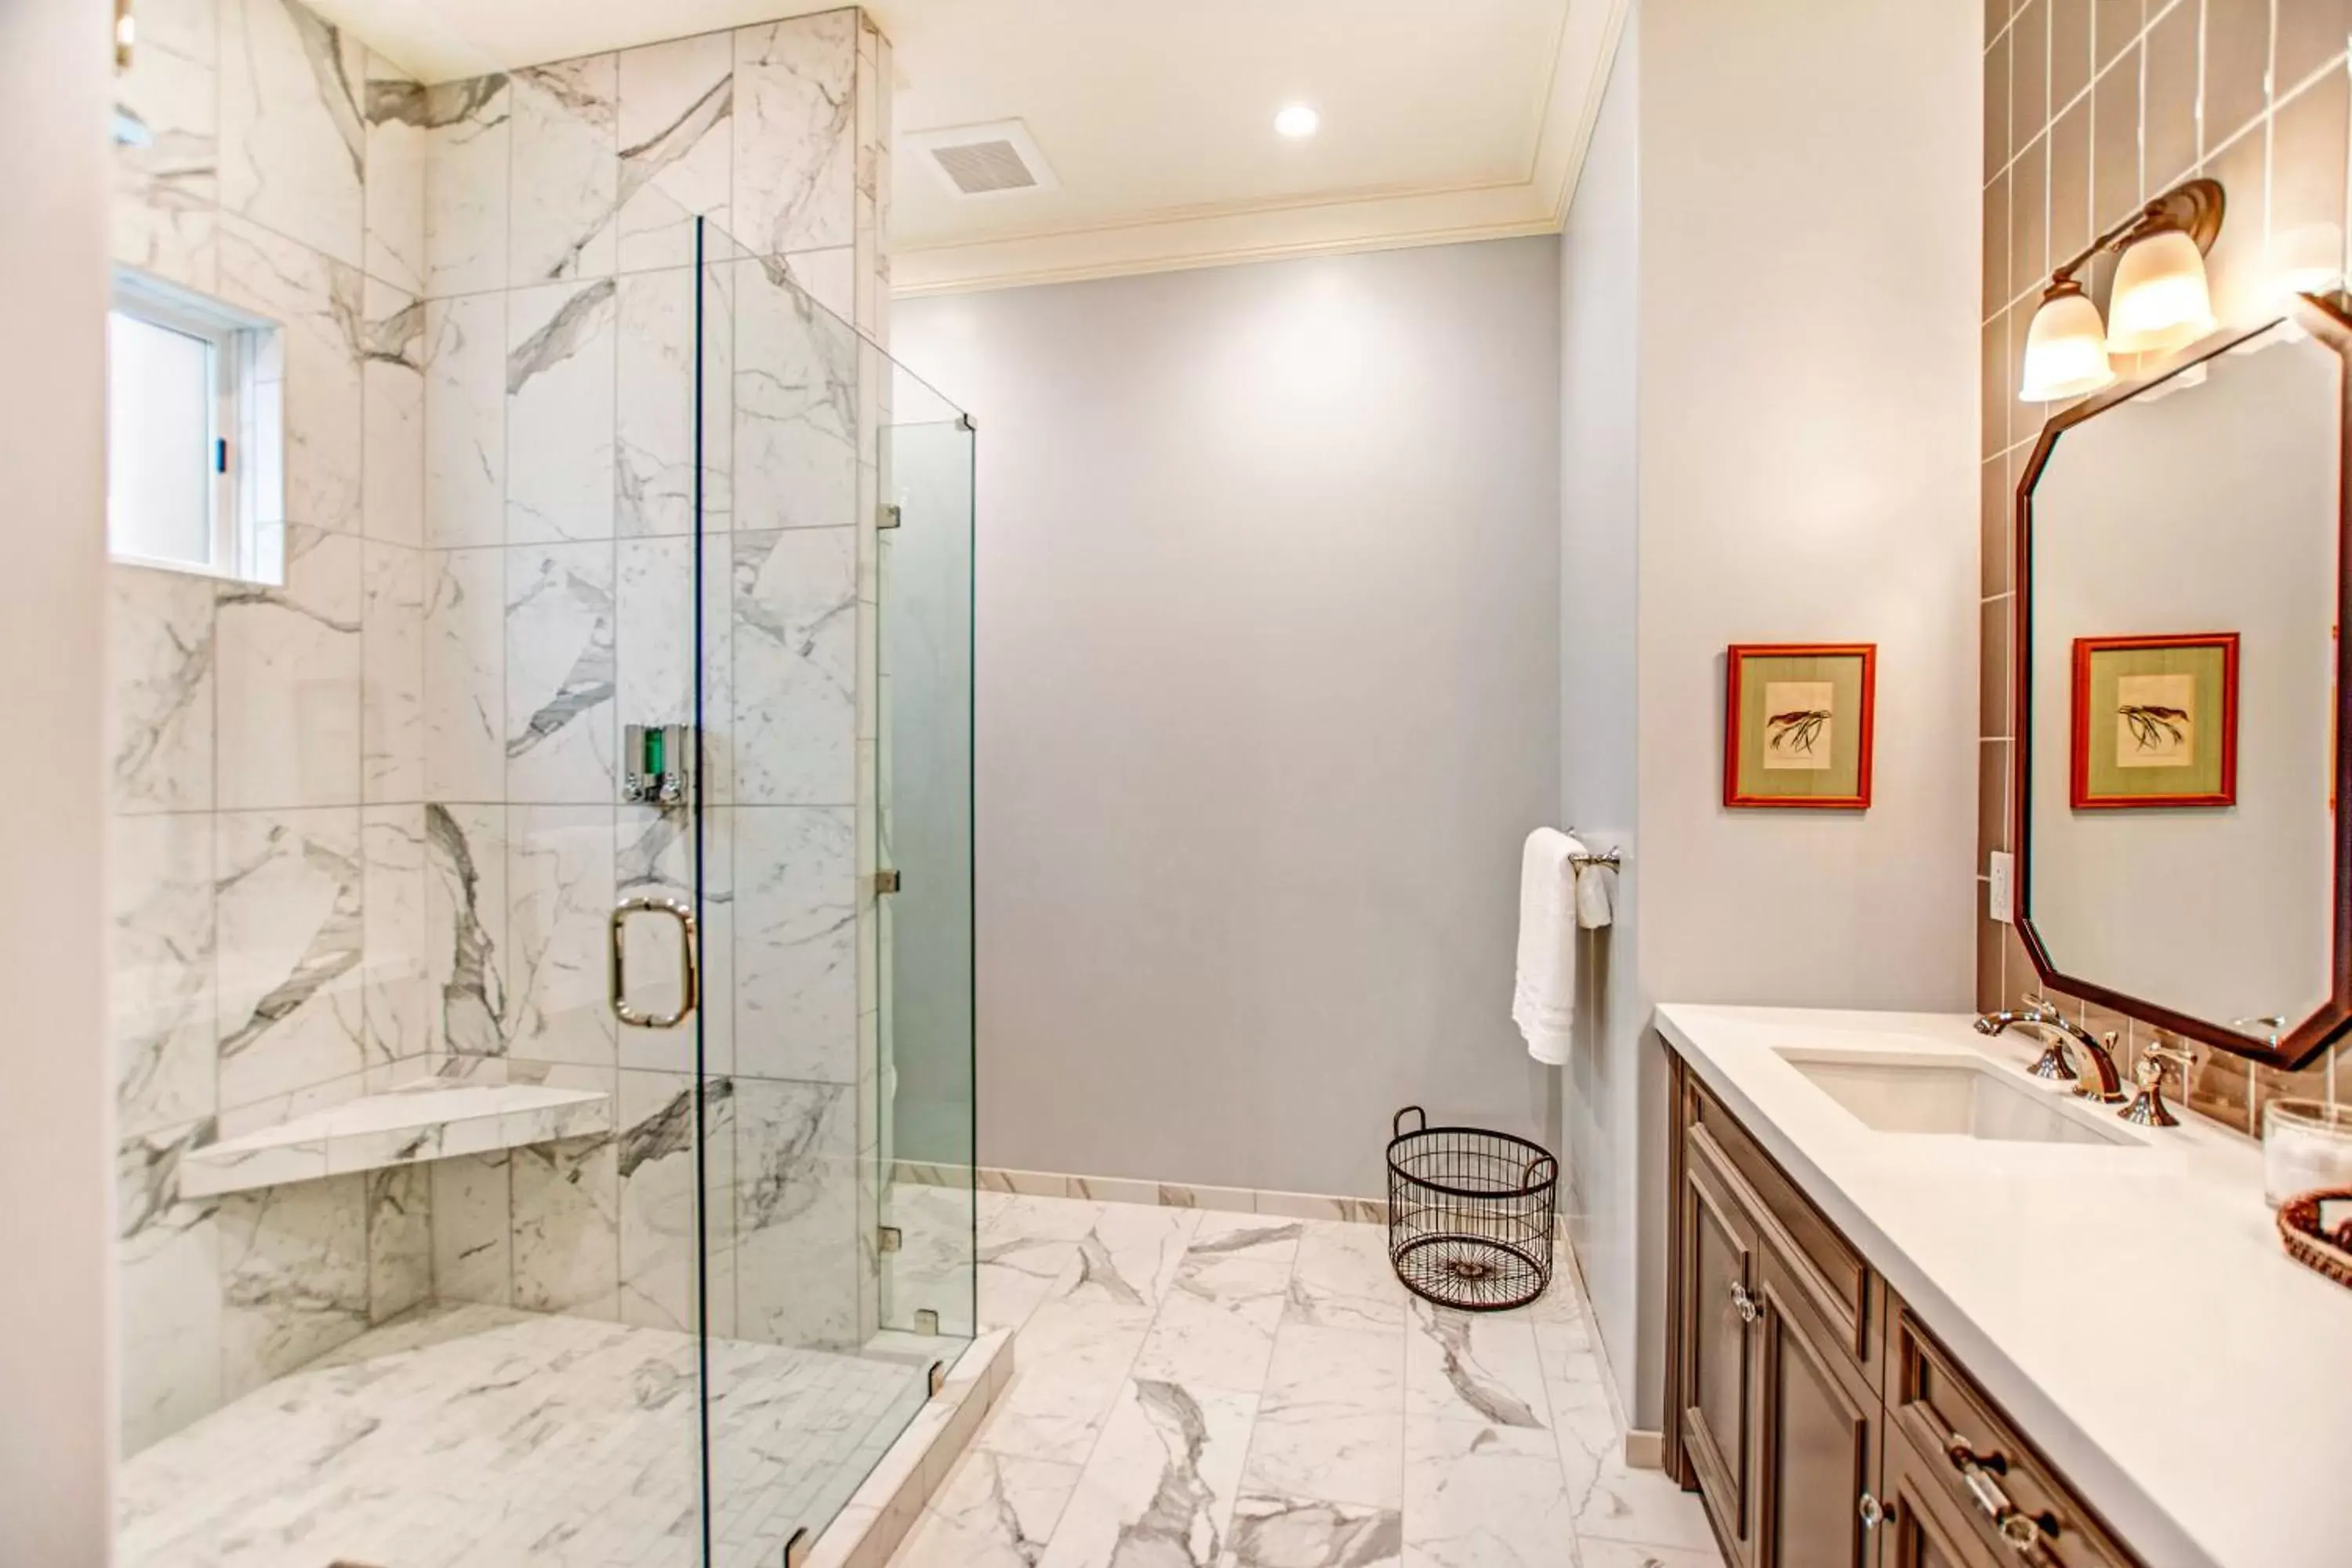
(1470, 1215)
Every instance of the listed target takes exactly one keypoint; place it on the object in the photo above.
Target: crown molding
(1324, 226)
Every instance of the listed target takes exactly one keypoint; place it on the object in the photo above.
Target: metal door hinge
(891, 517)
(966, 421)
(797, 1550)
(886, 881)
(926, 1321)
(888, 1239)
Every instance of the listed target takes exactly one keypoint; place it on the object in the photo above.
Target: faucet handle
(2147, 1108)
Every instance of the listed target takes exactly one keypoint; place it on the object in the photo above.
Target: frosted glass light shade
(2066, 349)
(2160, 300)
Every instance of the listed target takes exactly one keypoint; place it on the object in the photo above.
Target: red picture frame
(1735, 660)
(2078, 780)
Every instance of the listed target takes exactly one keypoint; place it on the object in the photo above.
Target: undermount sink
(1952, 1095)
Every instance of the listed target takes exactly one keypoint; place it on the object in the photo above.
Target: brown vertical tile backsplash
(2088, 162)
(2069, 50)
(2238, 267)
(1992, 709)
(1993, 380)
(2029, 217)
(1993, 545)
(1997, 290)
(2310, 34)
(2114, 143)
(2168, 127)
(2220, 1086)
(2113, 25)
(2271, 1084)
(2028, 71)
(1988, 939)
(2070, 184)
(2308, 139)
(1993, 798)
(2017, 978)
(1996, 107)
(2237, 61)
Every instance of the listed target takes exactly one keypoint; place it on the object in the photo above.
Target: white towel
(1544, 1003)
(1595, 903)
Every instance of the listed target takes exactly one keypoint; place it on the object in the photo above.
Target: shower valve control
(657, 763)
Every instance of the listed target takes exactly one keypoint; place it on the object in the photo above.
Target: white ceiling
(1441, 118)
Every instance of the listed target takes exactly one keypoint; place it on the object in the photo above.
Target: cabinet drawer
(1841, 1281)
(1944, 1413)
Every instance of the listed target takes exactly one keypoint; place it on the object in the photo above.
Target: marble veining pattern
(483, 1436)
(1276, 1399)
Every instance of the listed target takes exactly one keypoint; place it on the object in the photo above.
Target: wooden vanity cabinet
(1821, 1424)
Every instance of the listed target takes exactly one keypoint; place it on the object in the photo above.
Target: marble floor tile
(1386, 1432)
(1057, 1404)
(1016, 1273)
(1160, 1484)
(1343, 1278)
(1479, 1495)
(1474, 1366)
(1644, 1507)
(1216, 1324)
(1300, 1532)
(1330, 1422)
(1129, 1256)
(995, 1511)
(1592, 1553)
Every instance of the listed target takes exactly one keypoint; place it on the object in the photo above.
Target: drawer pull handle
(2018, 1531)
(1745, 1304)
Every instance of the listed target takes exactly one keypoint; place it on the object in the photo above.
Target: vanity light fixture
(2159, 302)
(1297, 121)
(2066, 346)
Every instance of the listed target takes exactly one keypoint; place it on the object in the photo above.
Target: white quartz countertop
(2128, 1305)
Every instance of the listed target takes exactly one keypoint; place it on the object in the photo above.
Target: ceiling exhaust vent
(997, 160)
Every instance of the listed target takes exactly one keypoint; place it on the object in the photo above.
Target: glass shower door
(925, 741)
(809, 1375)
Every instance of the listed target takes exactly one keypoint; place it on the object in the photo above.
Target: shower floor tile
(469, 1436)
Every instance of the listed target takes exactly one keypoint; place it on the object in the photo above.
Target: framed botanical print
(1797, 725)
(2156, 722)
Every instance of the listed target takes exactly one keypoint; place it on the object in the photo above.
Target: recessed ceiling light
(1297, 121)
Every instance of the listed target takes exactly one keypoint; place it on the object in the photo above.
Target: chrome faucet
(2060, 1035)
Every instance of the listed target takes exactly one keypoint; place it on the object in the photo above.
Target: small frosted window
(195, 435)
(159, 456)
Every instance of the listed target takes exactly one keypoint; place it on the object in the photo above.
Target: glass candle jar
(2306, 1145)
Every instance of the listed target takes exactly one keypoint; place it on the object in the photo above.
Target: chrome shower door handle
(690, 974)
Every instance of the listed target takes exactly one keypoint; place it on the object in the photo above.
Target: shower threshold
(476, 1436)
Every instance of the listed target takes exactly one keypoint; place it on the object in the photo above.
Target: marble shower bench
(429, 1121)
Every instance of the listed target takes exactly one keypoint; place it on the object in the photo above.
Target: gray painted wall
(1599, 352)
(1268, 651)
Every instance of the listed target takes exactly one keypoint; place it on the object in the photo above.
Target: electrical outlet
(2000, 892)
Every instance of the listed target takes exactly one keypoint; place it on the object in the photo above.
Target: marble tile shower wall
(559, 529)
(269, 861)
(2091, 106)
(368, 825)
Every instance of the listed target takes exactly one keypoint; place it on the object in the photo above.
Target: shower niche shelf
(399, 1127)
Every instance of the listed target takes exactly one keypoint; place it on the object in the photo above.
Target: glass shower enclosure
(544, 985)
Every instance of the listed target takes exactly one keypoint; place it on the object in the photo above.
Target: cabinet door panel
(1718, 1269)
(1820, 1432)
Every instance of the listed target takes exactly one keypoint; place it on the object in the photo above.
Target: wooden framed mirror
(2181, 762)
